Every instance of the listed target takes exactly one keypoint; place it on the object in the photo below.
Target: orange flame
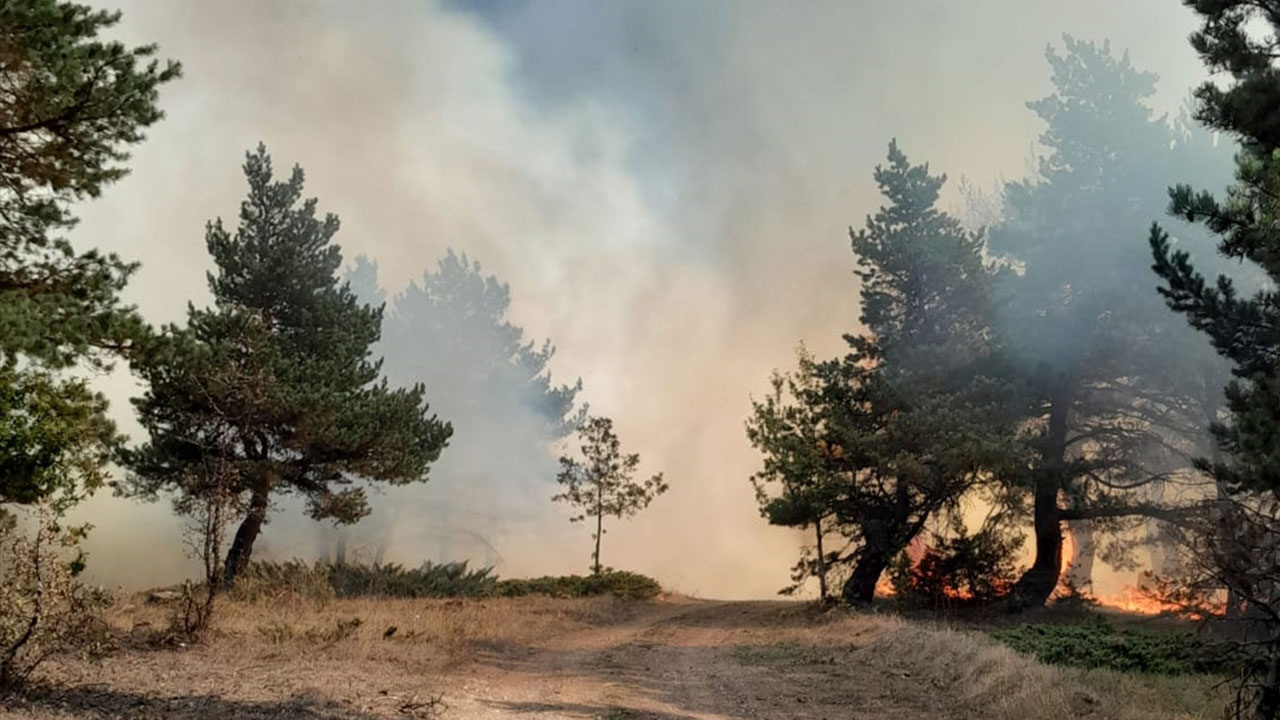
(1144, 598)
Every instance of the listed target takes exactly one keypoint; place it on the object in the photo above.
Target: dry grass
(542, 657)
(427, 634)
(980, 677)
(1004, 685)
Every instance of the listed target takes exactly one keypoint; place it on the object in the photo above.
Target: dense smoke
(665, 186)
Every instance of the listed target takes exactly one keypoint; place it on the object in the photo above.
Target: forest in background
(1015, 404)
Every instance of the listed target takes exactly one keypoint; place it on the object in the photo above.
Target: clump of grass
(273, 580)
(1096, 644)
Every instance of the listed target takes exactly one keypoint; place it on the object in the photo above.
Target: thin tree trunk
(860, 588)
(822, 563)
(1038, 582)
(595, 558)
(340, 550)
(242, 546)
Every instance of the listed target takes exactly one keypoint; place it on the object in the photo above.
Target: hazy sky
(667, 187)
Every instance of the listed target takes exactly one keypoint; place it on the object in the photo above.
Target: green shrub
(621, 584)
(1095, 644)
(323, 581)
(453, 579)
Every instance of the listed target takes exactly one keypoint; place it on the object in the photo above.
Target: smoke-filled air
(670, 360)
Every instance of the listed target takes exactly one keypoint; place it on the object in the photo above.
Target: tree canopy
(276, 381)
(602, 482)
(897, 430)
(1111, 385)
(71, 108)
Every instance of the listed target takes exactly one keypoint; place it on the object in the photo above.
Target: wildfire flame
(1143, 598)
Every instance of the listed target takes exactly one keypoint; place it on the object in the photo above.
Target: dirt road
(542, 659)
(673, 660)
(693, 661)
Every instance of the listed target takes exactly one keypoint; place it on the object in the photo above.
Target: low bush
(44, 610)
(621, 584)
(1096, 644)
(445, 580)
(324, 581)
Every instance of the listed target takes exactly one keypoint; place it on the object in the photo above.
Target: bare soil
(677, 659)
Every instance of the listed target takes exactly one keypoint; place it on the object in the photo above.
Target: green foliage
(1096, 644)
(797, 485)
(324, 581)
(873, 444)
(1114, 388)
(275, 383)
(451, 579)
(451, 331)
(621, 584)
(601, 484)
(55, 438)
(72, 106)
(1239, 312)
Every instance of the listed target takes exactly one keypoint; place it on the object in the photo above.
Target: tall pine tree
(1104, 376)
(72, 106)
(276, 381)
(1241, 548)
(907, 422)
(451, 331)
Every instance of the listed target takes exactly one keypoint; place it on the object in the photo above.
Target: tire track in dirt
(685, 661)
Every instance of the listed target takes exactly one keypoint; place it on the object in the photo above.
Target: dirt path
(689, 661)
(671, 660)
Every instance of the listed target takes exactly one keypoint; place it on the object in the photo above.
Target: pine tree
(1241, 548)
(451, 331)
(916, 417)
(601, 484)
(1104, 375)
(72, 106)
(881, 440)
(798, 484)
(276, 380)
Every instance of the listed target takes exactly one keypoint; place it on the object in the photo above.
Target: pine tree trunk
(1038, 582)
(595, 558)
(822, 563)
(340, 550)
(242, 546)
(860, 588)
